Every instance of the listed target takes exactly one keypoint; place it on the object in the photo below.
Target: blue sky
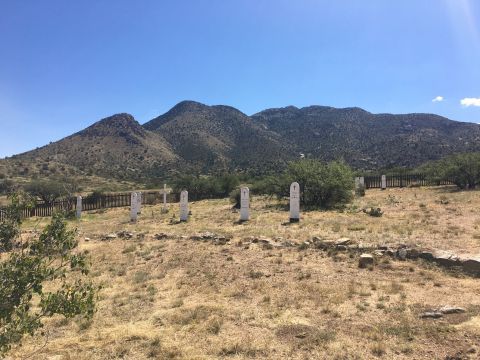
(67, 64)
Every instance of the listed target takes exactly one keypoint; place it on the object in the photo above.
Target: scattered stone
(109, 236)
(402, 254)
(412, 253)
(426, 255)
(365, 261)
(447, 309)
(445, 258)
(256, 240)
(125, 234)
(265, 240)
(160, 236)
(87, 239)
(390, 252)
(324, 244)
(471, 265)
(289, 243)
(343, 241)
(431, 315)
(379, 252)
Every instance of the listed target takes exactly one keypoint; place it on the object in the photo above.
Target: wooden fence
(375, 181)
(90, 203)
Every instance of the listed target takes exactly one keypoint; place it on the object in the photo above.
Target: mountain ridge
(193, 137)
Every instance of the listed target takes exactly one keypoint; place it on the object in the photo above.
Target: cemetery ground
(216, 288)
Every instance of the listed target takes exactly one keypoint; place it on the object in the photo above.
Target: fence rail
(404, 180)
(89, 203)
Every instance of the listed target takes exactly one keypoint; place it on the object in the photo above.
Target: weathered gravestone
(79, 207)
(384, 182)
(184, 205)
(139, 202)
(294, 202)
(360, 186)
(357, 183)
(244, 204)
(133, 206)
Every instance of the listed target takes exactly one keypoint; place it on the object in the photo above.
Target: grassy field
(181, 298)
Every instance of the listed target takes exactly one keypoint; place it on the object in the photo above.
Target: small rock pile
(444, 310)
(209, 236)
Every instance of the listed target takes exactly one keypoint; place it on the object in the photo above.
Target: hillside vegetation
(200, 139)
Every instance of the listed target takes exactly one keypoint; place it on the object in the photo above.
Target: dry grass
(179, 298)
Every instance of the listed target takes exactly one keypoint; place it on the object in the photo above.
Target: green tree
(462, 169)
(46, 190)
(6, 186)
(51, 262)
(206, 187)
(322, 185)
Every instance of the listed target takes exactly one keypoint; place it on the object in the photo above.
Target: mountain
(196, 138)
(117, 146)
(369, 141)
(220, 138)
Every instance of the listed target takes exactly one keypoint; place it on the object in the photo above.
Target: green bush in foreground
(29, 269)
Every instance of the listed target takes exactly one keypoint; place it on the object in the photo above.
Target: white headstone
(384, 182)
(133, 206)
(362, 180)
(244, 204)
(184, 205)
(294, 202)
(139, 202)
(357, 182)
(79, 207)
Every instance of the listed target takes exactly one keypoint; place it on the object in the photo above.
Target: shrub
(10, 224)
(277, 185)
(95, 195)
(322, 185)
(462, 169)
(50, 190)
(51, 259)
(6, 186)
(206, 187)
(235, 198)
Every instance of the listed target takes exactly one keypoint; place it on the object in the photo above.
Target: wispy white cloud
(470, 102)
(438, 99)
